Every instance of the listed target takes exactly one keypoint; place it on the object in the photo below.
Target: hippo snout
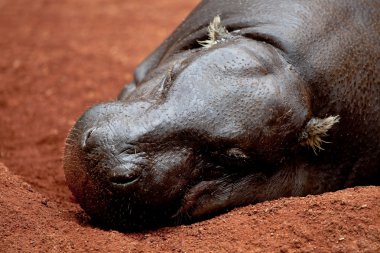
(118, 176)
(105, 138)
(124, 172)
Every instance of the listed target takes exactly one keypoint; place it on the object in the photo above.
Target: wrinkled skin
(202, 130)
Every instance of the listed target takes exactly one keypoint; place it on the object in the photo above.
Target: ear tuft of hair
(315, 129)
(216, 32)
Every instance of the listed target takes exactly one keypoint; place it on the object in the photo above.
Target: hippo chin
(270, 99)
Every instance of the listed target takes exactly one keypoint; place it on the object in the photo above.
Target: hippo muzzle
(119, 180)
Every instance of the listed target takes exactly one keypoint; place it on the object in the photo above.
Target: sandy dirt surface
(57, 58)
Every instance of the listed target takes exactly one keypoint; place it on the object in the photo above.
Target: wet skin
(201, 130)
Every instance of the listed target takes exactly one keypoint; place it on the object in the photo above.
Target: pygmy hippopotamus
(247, 101)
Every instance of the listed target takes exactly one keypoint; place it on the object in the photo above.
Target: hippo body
(272, 99)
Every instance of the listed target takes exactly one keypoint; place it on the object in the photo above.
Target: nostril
(86, 137)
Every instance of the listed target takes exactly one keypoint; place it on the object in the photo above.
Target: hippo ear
(315, 129)
(216, 32)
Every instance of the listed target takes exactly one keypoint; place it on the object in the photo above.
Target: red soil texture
(57, 58)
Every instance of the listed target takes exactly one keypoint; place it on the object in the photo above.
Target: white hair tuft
(216, 32)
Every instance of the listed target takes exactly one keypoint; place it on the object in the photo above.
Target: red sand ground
(59, 57)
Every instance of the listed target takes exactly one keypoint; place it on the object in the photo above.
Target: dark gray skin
(203, 130)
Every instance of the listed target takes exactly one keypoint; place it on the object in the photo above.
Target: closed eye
(129, 149)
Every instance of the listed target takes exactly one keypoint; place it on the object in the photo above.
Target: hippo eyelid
(130, 150)
(168, 80)
(237, 153)
(263, 37)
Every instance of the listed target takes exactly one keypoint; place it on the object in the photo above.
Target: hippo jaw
(208, 129)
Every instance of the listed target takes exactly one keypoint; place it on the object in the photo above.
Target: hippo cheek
(210, 197)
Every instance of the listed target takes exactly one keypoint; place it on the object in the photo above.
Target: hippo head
(207, 129)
